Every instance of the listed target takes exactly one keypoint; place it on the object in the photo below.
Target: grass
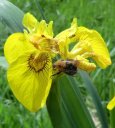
(93, 14)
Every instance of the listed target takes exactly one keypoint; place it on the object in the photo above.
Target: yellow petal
(70, 33)
(80, 48)
(44, 43)
(84, 64)
(43, 29)
(97, 43)
(15, 45)
(29, 21)
(63, 47)
(111, 104)
(29, 77)
(101, 61)
(94, 38)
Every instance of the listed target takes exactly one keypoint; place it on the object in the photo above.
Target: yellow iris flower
(29, 56)
(90, 44)
(29, 73)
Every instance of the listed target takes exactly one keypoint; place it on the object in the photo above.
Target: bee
(67, 66)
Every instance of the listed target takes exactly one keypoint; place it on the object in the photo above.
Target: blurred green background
(93, 14)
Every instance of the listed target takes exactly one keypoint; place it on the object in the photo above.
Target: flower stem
(40, 9)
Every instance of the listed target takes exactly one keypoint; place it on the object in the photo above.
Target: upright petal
(70, 33)
(43, 29)
(29, 77)
(15, 45)
(29, 21)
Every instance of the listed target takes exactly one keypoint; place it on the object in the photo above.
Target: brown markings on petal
(38, 62)
(42, 36)
(50, 45)
(43, 43)
(72, 36)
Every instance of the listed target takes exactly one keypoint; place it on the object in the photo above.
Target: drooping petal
(69, 32)
(111, 104)
(15, 45)
(29, 77)
(29, 21)
(97, 43)
(101, 61)
(43, 29)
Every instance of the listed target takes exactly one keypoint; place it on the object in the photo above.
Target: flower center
(38, 61)
(44, 43)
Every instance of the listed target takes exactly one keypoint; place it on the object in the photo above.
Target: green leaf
(69, 109)
(95, 97)
(75, 112)
(54, 106)
(3, 62)
(12, 16)
(112, 112)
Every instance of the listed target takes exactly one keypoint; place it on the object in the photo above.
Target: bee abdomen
(70, 69)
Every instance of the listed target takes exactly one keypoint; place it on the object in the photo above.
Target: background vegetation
(93, 14)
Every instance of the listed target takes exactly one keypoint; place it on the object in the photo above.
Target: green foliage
(7, 13)
(95, 98)
(72, 101)
(3, 62)
(112, 112)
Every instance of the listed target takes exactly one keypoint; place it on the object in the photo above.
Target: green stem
(42, 14)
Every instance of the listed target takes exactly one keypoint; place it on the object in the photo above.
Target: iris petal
(29, 21)
(94, 38)
(29, 77)
(69, 32)
(15, 45)
(44, 29)
(84, 64)
(97, 43)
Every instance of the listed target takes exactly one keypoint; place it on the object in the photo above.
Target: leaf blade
(13, 19)
(95, 97)
(74, 104)
(112, 112)
(3, 62)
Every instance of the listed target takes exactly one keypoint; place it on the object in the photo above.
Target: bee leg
(56, 73)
